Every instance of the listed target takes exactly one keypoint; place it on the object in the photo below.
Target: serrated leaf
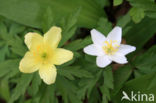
(21, 87)
(7, 66)
(3, 52)
(86, 85)
(69, 26)
(17, 46)
(108, 78)
(36, 81)
(71, 71)
(4, 89)
(105, 94)
(68, 90)
(16, 29)
(78, 44)
(48, 94)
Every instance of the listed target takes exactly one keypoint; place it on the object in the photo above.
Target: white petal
(119, 58)
(102, 61)
(93, 50)
(125, 49)
(97, 37)
(115, 34)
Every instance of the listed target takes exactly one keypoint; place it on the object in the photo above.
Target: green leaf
(140, 84)
(137, 14)
(120, 77)
(36, 81)
(69, 26)
(48, 94)
(104, 26)
(147, 5)
(21, 87)
(108, 78)
(77, 71)
(47, 20)
(16, 29)
(4, 89)
(17, 46)
(7, 66)
(152, 84)
(96, 95)
(124, 20)
(137, 36)
(146, 62)
(117, 2)
(78, 44)
(68, 90)
(21, 11)
(105, 94)
(3, 52)
(86, 85)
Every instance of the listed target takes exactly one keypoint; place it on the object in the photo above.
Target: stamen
(110, 47)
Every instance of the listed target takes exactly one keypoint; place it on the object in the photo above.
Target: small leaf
(117, 2)
(137, 14)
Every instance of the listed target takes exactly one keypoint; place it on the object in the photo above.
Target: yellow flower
(43, 54)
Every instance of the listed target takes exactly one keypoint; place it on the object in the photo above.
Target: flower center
(44, 55)
(110, 47)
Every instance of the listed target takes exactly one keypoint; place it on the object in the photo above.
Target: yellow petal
(61, 56)
(53, 36)
(33, 40)
(28, 64)
(48, 74)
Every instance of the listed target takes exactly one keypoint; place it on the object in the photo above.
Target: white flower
(108, 49)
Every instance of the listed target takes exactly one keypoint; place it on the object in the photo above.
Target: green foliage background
(80, 80)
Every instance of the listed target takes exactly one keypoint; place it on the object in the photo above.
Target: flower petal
(102, 61)
(28, 64)
(33, 39)
(93, 50)
(119, 58)
(97, 37)
(53, 36)
(115, 34)
(48, 74)
(125, 49)
(61, 56)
